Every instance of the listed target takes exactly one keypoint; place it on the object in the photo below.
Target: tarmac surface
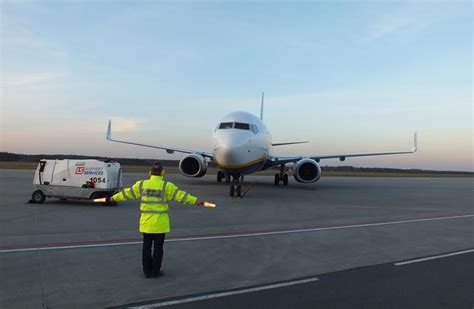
(332, 244)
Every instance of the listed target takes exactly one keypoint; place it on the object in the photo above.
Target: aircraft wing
(288, 143)
(282, 160)
(169, 150)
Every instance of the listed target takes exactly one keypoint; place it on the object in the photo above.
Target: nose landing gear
(236, 186)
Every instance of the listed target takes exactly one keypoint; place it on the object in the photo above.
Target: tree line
(17, 157)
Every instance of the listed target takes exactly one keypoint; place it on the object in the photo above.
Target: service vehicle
(76, 179)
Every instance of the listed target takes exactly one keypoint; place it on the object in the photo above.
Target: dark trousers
(152, 264)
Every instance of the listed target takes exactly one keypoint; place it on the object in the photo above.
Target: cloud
(122, 124)
(98, 125)
(396, 25)
(408, 19)
(16, 35)
(382, 29)
(31, 78)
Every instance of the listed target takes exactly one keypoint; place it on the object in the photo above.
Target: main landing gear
(281, 177)
(220, 175)
(236, 186)
(223, 176)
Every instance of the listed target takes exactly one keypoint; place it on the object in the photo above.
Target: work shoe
(147, 275)
(160, 274)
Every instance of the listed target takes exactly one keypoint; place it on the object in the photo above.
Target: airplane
(242, 145)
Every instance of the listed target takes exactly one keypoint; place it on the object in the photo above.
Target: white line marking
(71, 247)
(225, 294)
(342, 227)
(433, 257)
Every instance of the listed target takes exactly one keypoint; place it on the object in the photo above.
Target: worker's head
(157, 170)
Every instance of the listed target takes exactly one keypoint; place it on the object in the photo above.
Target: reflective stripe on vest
(133, 192)
(163, 190)
(124, 194)
(151, 202)
(159, 194)
(152, 193)
(184, 198)
(154, 211)
(174, 195)
(140, 188)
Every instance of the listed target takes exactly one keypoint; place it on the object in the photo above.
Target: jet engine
(193, 165)
(306, 171)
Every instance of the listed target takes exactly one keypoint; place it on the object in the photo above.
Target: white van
(76, 179)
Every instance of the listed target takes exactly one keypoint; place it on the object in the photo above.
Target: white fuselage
(242, 143)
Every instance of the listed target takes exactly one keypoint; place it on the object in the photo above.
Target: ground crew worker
(155, 193)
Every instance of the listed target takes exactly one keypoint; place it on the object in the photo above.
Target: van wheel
(38, 197)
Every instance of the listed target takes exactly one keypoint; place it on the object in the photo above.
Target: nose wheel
(236, 190)
(236, 186)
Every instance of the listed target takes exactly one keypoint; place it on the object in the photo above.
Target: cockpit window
(242, 126)
(254, 128)
(226, 125)
(238, 125)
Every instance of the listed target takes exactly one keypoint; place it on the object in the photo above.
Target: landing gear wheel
(38, 197)
(232, 190)
(285, 179)
(239, 191)
(277, 179)
(220, 176)
(227, 178)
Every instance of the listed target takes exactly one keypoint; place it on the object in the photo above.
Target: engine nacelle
(307, 171)
(193, 165)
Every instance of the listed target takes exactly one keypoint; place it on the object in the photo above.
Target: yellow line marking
(246, 190)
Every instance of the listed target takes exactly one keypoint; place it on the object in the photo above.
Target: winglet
(261, 106)
(415, 142)
(109, 131)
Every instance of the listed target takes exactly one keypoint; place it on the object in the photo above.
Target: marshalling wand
(209, 205)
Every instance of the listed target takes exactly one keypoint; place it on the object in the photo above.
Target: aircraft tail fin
(261, 106)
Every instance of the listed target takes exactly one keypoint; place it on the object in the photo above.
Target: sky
(348, 76)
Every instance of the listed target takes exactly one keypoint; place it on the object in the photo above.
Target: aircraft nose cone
(228, 155)
(231, 148)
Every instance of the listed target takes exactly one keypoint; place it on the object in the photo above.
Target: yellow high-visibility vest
(155, 193)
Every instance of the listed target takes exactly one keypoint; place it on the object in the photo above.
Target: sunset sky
(347, 76)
